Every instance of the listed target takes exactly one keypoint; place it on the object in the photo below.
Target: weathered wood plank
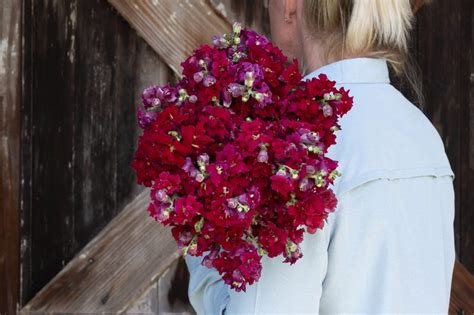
(174, 28)
(10, 88)
(47, 142)
(446, 90)
(467, 241)
(169, 295)
(84, 69)
(114, 269)
(9, 233)
(251, 13)
(94, 153)
(145, 19)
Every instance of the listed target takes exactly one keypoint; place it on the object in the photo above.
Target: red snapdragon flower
(234, 154)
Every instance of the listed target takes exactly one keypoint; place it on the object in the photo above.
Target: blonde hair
(372, 28)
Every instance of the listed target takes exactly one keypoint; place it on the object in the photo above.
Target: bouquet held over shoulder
(234, 154)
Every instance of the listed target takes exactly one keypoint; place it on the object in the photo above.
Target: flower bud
(156, 102)
(198, 225)
(232, 203)
(327, 110)
(304, 184)
(249, 78)
(161, 195)
(198, 76)
(203, 159)
(236, 89)
(281, 172)
(200, 177)
(193, 98)
(209, 80)
(262, 156)
(258, 97)
(163, 215)
(192, 249)
(310, 169)
(226, 98)
(236, 28)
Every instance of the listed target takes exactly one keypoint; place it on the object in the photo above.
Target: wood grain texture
(444, 51)
(114, 269)
(467, 239)
(84, 69)
(84, 66)
(10, 88)
(168, 295)
(251, 13)
(83, 116)
(462, 291)
(9, 233)
(173, 28)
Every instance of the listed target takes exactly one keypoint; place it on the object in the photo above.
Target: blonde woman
(389, 246)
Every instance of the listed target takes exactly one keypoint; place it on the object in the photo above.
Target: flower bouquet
(234, 154)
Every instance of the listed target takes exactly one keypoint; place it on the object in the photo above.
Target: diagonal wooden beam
(173, 28)
(114, 269)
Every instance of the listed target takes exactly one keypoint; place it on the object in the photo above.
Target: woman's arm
(282, 288)
(207, 291)
(285, 288)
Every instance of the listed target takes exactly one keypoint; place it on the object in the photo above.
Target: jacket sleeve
(282, 288)
(207, 291)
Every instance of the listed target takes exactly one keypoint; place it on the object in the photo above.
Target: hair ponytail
(379, 23)
(373, 28)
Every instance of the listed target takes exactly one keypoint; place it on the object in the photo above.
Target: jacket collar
(355, 70)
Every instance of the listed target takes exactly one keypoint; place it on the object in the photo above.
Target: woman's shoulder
(385, 136)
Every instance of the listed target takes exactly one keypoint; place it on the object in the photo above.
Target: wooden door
(71, 208)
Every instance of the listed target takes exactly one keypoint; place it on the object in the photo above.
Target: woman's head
(319, 32)
(322, 31)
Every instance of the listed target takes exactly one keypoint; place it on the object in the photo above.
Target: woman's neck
(315, 57)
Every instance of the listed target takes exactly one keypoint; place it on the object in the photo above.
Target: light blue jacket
(389, 246)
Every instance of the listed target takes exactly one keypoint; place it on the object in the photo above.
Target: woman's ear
(290, 7)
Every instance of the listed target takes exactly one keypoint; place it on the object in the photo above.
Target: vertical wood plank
(84, 70)
(446, 71)
(147, 69)
(25, 156)
(48, 116)
(10, 54)
(9, 246)
(467, 241)
(100, 87)
(439, 84)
